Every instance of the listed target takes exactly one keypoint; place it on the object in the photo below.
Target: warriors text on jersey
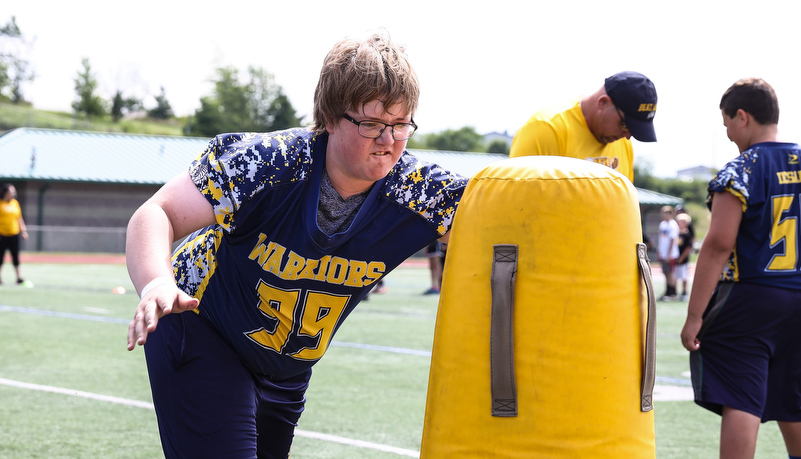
(274, 284)
(767, 180)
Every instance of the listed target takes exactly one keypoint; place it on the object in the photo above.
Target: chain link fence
(74, 239)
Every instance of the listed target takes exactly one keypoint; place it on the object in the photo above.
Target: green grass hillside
(15, 116)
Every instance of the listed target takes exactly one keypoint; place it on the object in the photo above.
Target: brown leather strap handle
(502, 366)
(649, 361)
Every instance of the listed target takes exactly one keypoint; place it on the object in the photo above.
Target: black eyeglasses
(622, 120)
(374, 129)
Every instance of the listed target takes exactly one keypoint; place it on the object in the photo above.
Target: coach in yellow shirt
(12, 226)
(596, 127)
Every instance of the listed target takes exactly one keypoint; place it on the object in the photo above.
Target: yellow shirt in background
(10, 213)
(563, 131)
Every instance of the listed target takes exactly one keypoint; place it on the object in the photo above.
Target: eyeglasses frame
(391, 126)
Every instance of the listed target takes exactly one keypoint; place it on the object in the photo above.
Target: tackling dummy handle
(502, 366)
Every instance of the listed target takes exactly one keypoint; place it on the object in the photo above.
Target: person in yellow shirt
(596, 127)
(12, 227)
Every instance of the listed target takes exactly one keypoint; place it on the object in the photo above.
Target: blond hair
(356, 72)
(684, 218)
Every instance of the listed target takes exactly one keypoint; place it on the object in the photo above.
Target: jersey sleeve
(235, 167)
(736, 178)
(427, 190)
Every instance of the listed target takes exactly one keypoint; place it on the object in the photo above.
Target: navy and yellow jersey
(274, 284)
(766, 179)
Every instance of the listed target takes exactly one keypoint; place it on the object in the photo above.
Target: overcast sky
(486, 64)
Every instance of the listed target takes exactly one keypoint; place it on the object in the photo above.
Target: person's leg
(3, 246)
(205, 398)
(435, 266)
(784, 389)
(280, 406)
(14, 249)
(791, 431)
(666, 270)
(738, 434)
(671, 280)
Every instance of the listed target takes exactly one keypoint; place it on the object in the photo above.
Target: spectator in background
(686, 241)
(12, 228)
(668, 251)
(597, 127)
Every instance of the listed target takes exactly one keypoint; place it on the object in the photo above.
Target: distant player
(742, 327)
(289, 231)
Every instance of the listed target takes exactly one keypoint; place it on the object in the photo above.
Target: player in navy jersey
(287, 231)
(743, 325)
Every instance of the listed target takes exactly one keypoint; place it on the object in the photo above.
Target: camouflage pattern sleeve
(426, 189)
(235, 167)
(736, 178)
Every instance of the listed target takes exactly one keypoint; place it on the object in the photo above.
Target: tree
(121, 106)
(283, 115)
(258, 105)
(464, 139)
(163, 110)
(14, 68)
(691, 191)
(87, 102)
(498, 146)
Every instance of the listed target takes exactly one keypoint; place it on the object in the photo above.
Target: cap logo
(650, 108)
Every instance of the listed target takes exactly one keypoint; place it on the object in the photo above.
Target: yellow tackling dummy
(541, 346)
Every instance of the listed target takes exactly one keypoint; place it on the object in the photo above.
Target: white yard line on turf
(148, 405)
(672, 389)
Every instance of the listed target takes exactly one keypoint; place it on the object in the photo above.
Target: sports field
(70, 389)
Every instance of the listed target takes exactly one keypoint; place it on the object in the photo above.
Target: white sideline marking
(76, 393)
(148, 405)
(357, 443)
(670, 393)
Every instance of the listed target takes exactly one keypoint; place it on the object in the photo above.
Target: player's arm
(727, 212)
(176, 210)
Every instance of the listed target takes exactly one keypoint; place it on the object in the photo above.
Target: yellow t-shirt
(10, 214)
(563, 131)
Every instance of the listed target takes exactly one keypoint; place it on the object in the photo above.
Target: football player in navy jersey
(743, 325)
(285, 233)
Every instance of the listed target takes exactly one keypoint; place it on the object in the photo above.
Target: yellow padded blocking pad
(578, 317)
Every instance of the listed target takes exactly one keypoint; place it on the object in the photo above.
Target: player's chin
(377, 172)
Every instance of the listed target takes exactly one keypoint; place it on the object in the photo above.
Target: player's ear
(331, 125)
(742, 117)
(604, 101)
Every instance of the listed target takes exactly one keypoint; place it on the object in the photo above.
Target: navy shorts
(750, 354)
(208, 404)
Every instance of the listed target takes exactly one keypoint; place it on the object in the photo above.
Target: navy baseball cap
(635, 95)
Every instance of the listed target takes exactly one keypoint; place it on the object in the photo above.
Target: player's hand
(158, 302)
(689, 334)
